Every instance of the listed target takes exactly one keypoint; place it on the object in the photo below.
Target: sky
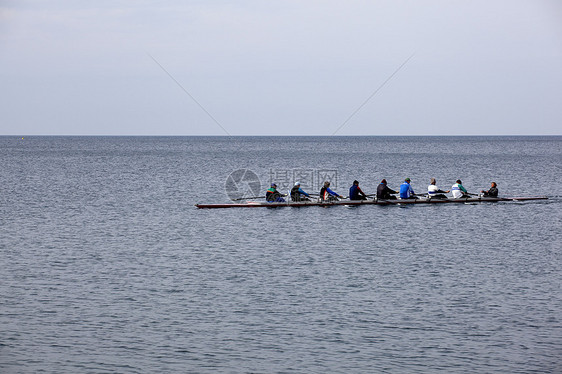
(355, 67)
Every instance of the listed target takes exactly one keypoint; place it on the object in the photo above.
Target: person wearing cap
(296, 193)
(385, 193)
(355, 193)
(274, 196)
(492, 192)
(326, 194)
(458, 190)
(433, 191)
(406, 191)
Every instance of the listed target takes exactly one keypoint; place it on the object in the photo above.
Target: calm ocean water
(106, 266)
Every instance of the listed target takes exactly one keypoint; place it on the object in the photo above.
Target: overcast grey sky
(280, 67)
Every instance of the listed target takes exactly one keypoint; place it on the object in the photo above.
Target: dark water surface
(106, 266)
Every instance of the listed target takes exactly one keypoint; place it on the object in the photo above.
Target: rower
(326, 194)
(458, 190)
(296, 193)
(406, 191)
(434, 192)
(492, 192)
(355, 192)
(385, 193)
(272, 195)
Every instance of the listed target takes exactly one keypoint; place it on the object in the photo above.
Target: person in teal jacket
(274, 196)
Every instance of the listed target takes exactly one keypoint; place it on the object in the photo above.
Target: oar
(249, 198)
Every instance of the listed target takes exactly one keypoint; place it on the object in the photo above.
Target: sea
(107, 266)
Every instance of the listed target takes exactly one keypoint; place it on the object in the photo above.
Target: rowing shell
(369, 202)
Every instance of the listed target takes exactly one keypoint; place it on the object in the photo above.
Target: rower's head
(494, 184)
(432, 181)
(458, 181)
(326, 184)
(383, 181)
(273, 185)
(407, 180)
(356, 183)
(297, 184)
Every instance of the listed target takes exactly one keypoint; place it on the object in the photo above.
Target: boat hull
(368, 202)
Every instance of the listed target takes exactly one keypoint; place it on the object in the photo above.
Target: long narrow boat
(299, 204)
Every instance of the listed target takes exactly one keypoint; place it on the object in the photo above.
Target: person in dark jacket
(492, 192)
(355, 192)
(385, 193)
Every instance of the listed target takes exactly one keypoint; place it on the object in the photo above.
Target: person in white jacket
(458, 190)
(434, 192)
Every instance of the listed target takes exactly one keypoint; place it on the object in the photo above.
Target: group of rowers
(383, 192)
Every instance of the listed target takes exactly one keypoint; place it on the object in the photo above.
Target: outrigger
(423, 200)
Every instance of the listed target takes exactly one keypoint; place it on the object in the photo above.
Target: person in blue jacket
(326, 194)
(406, 190)
(355, 192)
(296, 193)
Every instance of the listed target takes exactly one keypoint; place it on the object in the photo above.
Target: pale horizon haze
(281, 68)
